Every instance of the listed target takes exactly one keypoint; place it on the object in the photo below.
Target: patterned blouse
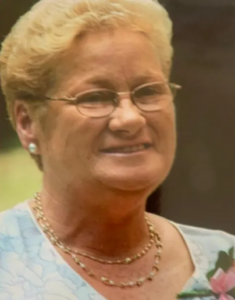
(32, 269)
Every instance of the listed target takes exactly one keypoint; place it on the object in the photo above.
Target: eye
(151, 90)
(96, 97)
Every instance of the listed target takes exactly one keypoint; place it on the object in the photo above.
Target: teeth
(129, 149)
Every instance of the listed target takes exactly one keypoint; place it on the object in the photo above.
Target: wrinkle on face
(92, 68)
(120, 61)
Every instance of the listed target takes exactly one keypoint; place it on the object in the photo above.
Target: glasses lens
(98, 103)
(152, 97)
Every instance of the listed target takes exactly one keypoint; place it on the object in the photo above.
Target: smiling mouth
(128, 149)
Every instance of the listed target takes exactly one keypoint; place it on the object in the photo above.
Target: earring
(32, 148)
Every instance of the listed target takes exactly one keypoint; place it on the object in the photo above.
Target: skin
(96, 201)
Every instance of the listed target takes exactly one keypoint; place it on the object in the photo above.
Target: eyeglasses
(98, 103)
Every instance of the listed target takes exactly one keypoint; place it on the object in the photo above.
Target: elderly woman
(88, 92)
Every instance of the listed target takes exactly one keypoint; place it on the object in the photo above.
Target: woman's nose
(126, 117)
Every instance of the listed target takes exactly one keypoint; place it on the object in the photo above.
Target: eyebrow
(138, 80)
(100, 81)
(104, 81)
(148, 78)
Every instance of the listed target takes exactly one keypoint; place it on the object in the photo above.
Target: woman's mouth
(127, 149)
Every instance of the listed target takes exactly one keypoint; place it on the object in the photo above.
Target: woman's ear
(26, 127)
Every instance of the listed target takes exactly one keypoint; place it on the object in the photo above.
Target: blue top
(32, 269)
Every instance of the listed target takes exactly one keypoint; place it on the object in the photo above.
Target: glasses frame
(173, 87)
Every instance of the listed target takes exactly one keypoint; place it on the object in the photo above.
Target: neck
(104, 227)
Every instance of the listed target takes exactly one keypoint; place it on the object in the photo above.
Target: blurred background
(200, 190)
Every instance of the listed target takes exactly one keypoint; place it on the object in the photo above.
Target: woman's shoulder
(200, 241)
(209, 236)
(213, 255)
(208, 247)
(198, 234)
(14, 220)
(15, 211)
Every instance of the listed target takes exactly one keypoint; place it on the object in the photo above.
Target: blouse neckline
(195, 277)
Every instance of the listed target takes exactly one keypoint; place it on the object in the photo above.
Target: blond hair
(39, 38)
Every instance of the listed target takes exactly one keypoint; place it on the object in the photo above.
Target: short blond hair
(39, 38)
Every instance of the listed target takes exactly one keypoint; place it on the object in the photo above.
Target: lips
(128, 149)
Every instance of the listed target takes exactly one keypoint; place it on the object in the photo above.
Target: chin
(139, 172)
(133, 186)
(135, 180)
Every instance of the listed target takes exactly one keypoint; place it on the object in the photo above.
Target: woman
(87, 88)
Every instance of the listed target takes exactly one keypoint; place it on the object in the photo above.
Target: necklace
(74, 253)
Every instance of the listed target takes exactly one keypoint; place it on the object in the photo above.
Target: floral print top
(32, 269)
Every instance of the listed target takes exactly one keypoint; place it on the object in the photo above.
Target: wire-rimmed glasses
(102, 102)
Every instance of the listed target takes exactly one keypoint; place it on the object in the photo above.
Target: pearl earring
(32, 148)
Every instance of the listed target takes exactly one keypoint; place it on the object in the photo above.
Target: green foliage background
(19, 177)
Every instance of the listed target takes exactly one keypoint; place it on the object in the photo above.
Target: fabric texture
(31, 269)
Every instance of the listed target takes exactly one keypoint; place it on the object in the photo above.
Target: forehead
(111, 56)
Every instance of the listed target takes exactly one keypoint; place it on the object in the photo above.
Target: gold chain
(154, 239)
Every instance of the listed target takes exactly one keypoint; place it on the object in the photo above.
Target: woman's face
(78, 149)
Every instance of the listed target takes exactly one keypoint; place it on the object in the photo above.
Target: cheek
(168, 120)
(165, 134)
(57, 132)
(164, 124)
(71, 138)
(171, 121)
(170, 127)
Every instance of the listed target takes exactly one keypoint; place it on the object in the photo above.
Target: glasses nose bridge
(119, 96)
(130, 104)
(123, 93)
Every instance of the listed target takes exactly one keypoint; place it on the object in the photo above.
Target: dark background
(200, 189)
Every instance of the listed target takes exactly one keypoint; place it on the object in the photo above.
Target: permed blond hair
(32, 49)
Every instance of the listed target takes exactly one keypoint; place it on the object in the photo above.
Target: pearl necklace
(74, 253)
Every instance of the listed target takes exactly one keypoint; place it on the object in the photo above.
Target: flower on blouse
(222, 282)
